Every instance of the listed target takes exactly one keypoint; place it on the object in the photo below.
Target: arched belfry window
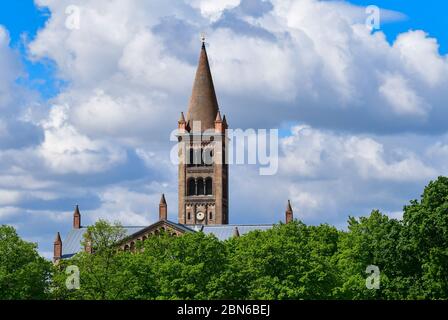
(191, 187)
(201, 190)
(208, 186)
(191, 157)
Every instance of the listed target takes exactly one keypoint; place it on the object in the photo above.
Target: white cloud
(420, 55)
(214, 9)
(403, 100)
(317, 154)
(65, 150)
(9, 64)
(131, 208)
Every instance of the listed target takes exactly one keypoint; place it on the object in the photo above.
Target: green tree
(23, 273)
(369, 241)
(290, 261)
(104, 273)
(425, 242)
(185, 267)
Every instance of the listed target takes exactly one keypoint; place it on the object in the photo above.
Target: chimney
(76, 218)
(57, 248)
(163, 209)
(289, 213)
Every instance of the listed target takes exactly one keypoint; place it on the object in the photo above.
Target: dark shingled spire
(289, 213)
(236, 232)
(57, 248)
(163, 209)
(203, 105)
(182, 118)
(288, 207)
(76, 218)
(162, 199)
(58, 238)
(218, 117)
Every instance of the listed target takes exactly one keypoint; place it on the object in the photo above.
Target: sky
(87, 106)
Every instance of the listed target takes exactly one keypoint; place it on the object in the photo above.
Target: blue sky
(87, 113)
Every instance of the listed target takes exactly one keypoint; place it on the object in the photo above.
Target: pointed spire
(218, 117)
(288, 207)
(182, 118)
(224, 121)
(289, 213)
(162, 199)
(57, 248)
(58, 238)
(77, 218)
(236, 232)
(163, 209)
(203, 104)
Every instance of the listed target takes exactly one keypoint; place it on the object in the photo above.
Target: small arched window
(210, 216)
(208, 186)
(200, 189)
(188, 216)
(191, 157)
(191, 187)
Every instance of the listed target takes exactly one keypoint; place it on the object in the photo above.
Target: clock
(200, 216)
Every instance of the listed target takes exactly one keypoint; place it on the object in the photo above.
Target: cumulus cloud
(65, 150)
(313, 153)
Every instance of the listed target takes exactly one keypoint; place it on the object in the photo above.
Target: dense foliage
(23, 273)
(290, 261)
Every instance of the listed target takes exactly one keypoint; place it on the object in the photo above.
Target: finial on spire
(203, 38)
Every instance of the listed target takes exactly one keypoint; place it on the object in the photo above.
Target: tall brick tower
(203, 169)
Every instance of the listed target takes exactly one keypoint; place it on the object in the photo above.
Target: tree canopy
(23, 273)
(289, 261)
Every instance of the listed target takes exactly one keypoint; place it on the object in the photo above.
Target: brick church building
(203, 188)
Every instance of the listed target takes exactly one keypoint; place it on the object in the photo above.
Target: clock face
(200, 216)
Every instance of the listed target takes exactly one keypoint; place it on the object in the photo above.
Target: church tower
(203, 168)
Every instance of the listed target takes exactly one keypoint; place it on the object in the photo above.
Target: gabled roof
(72, 243)
(158, 224)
